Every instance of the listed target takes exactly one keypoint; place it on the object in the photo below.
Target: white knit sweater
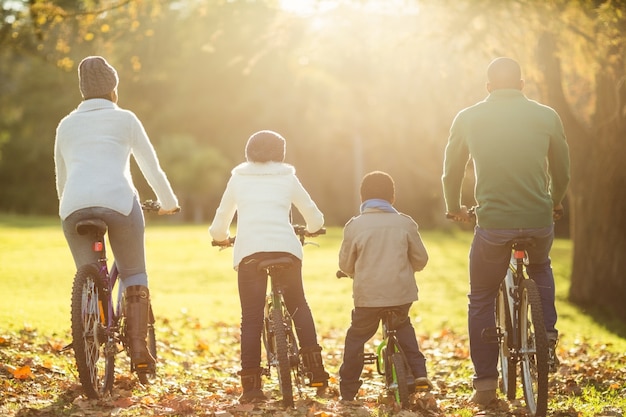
(262, 195)
(92, 159)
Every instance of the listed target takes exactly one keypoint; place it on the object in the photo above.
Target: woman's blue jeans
(252, 292)
(126, 235)
(489, 259)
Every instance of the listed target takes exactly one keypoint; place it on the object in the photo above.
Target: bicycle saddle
(521, 243)
(83, 227)
(278, 262)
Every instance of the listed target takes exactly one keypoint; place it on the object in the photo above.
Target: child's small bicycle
(99, 320)
(391, 361)
(279, 338)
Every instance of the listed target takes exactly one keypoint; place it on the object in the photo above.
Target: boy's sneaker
(484, 398)
(553, 360)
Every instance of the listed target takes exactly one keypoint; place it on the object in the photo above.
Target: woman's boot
(251, 384)
(314, 368)
(137, 305)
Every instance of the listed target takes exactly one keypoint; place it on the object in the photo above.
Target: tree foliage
(353, 86)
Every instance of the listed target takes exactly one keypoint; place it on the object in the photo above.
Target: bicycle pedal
(370, 358)
(492, 335)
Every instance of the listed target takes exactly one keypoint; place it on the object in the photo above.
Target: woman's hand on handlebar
(224, 243)
(463, 215)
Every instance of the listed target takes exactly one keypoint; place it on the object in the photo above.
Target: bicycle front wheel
(400, 379)
(508, 370)
(279, 334)
(95, 366)
(533, 350)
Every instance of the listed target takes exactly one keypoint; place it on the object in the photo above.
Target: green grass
(190, 277)
(194, 293)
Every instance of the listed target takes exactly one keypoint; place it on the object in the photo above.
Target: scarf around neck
(378, 204)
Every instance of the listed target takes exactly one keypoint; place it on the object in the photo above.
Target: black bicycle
(279, 338)
(99, 317)
(520, 331)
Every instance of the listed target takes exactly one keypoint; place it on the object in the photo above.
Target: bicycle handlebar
(557, 214)
(151, 205)
(298, 229)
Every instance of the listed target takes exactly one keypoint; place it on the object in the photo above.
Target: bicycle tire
(533, 349)
(508, 368)
(400, 379)
(96, 376)
(279, 334)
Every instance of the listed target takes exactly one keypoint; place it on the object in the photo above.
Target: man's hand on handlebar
(462, 215)
(557, 212)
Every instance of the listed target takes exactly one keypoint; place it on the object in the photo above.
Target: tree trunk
(597, 190)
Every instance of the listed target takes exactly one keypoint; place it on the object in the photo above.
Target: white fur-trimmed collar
(266, 168)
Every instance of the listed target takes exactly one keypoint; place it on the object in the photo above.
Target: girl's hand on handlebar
(168, 212)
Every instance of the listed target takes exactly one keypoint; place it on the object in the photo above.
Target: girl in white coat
(262, 191)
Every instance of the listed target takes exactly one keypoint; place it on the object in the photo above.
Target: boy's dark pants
(364, 325)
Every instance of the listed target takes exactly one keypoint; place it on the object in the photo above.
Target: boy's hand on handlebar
(462, 215)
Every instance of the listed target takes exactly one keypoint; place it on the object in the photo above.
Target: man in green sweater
(521, 165)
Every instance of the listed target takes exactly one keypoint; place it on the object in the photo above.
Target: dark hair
(378, 184)
(265, 146)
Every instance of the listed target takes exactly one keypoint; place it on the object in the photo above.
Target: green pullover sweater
(520, 157)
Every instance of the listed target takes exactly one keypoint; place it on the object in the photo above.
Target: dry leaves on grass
(38, 378)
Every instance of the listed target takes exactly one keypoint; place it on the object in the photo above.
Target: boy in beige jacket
(381, 251)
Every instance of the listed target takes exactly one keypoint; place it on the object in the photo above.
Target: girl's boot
(314, 368)
(251, 384)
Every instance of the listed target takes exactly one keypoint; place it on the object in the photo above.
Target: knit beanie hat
(265, 146)
(96, 78)
(378, 185)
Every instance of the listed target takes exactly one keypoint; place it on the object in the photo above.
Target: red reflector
(519, 254)
(97, 246)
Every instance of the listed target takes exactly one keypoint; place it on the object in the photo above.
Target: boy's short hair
(378, 184)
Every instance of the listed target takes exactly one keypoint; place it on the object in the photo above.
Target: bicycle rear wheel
(533, 350)
(88, 335)
(508, 369)
(400, 379)
(279, 334)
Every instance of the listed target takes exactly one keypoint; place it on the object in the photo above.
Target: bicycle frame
(396, 380)
(523, 340)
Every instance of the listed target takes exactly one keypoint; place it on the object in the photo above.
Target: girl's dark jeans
(252, 291)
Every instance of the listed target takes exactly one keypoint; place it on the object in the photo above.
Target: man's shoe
(484, 398)
(553, 360)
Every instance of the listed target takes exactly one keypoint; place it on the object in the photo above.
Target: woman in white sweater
(262, 191)
(92, 164)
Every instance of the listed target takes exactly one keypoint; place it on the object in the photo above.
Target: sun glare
(309, 7)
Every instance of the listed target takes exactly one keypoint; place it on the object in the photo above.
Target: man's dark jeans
(489, 258)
